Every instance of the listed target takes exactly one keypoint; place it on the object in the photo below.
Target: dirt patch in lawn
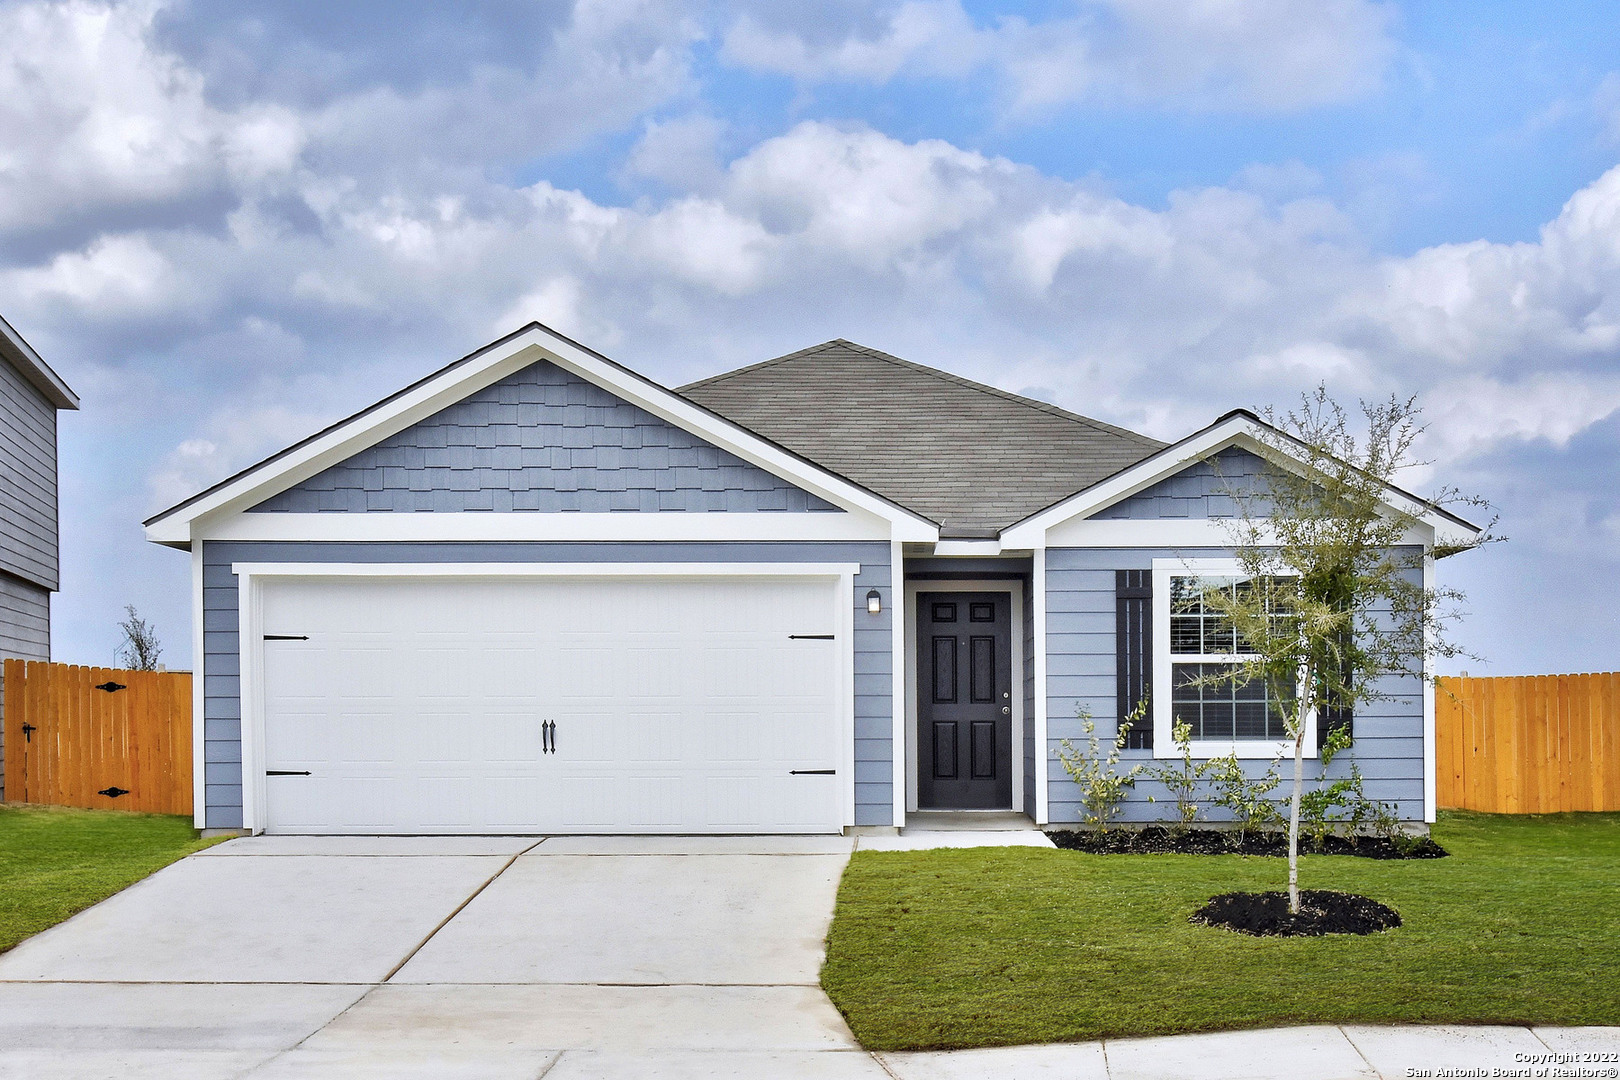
(1321, 911)
(1157, 840)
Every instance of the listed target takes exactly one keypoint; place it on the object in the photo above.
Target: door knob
(1006, 710)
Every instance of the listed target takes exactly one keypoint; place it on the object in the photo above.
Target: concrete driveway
(458, 957)
(277, 958)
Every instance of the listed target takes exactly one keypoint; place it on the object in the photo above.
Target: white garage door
(447, 705)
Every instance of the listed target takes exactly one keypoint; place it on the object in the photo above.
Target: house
(31, 394)
(538, 592)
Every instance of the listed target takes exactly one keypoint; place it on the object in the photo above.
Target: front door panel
(964, 701)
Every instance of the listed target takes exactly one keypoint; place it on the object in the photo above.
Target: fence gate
(98, 737)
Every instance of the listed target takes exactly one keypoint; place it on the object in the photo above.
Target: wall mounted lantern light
(874, 603)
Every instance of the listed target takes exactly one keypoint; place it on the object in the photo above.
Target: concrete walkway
(570, 958)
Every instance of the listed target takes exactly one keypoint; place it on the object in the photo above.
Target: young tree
(140, 648)
(1331, 598)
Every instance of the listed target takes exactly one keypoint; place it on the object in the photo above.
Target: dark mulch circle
(1158, 840)
(1321, 911)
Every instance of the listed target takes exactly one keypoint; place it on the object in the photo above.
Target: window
(1191, 642)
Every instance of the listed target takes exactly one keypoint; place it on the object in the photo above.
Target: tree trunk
(1293, 821)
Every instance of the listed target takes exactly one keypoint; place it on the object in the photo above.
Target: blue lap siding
(222, 747)
(1080, 642)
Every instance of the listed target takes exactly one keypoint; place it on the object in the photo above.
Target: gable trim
(525, 525)
(34, 369)
(480, 369)
(1241, 429)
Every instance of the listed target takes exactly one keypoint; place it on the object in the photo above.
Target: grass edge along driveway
(999, 946)
(56, 861)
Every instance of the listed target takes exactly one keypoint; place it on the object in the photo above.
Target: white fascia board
(1171, 533)
(527, 347)
(1239, 431)
(534, 526)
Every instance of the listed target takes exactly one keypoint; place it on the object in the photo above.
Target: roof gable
(1188, 460)
(22, 356)
(970, 456)
(543, 439)
(489, 365)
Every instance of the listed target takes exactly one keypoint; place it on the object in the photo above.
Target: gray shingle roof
(969, 456)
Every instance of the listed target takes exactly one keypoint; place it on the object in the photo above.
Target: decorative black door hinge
(112, 792)
(286, 637)
(810, 637)
(111, 687)
(28, 732)
(286, 772)
(812, 772)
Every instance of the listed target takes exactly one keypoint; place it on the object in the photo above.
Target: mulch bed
(1321, 911)
(1158, 840)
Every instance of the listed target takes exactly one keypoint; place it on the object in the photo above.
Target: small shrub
(1102, 785)
(1247, 799)
(1181, 777)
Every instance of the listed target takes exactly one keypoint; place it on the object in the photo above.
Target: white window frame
(1163, 719)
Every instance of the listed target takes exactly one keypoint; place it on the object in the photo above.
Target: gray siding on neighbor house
(1199, 491)
(28, 518)
(28, 523)
(543, 440)
(25, 633)
(1080, 633)
(222, 711)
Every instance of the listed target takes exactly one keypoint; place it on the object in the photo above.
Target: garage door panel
(679, 704)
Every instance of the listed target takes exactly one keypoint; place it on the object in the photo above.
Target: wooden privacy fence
(1537, 744)
(98, 737)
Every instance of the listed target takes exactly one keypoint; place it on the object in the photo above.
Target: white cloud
(682, 153)
(115, 276)
(92, 115)
(1265, 55)
(1513, 306)
(1470, 415)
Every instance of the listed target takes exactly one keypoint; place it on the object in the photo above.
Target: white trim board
(899, 681)
(177, 525)
(1014, 589)
(1240, 430)
(1171, 533)
(521, 526)
(1043, 748)
(251, 578)
(199, 695)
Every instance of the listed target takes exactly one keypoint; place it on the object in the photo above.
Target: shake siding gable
(1201, 490)
(222, 712)
(543, 440)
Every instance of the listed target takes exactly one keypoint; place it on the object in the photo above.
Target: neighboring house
(30, 396)
(537, 592)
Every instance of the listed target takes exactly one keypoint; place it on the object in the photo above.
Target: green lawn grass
(998, 946)
(56, 861)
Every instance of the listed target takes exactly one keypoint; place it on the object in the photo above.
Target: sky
(227, 225)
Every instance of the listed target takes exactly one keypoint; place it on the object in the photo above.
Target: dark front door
(964, 701)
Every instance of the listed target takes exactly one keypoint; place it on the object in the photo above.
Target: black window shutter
(1133, 638)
